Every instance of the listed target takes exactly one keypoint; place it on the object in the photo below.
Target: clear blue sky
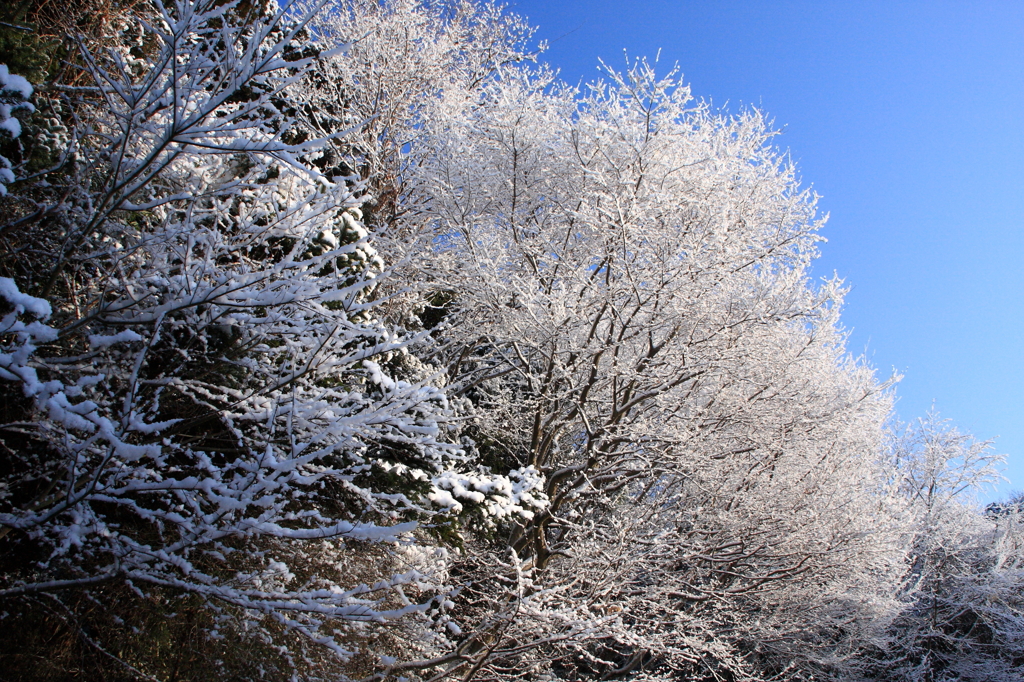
(908, 119)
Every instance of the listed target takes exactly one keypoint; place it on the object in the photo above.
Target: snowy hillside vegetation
(339, 340)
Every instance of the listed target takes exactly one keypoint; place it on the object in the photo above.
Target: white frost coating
(14, 84)
(99, 341)
(518, 494)
(139, 426)
(23, 302)
(11, 126)
(443, 499)
(330, 238)
(14, 93)
(378, 377)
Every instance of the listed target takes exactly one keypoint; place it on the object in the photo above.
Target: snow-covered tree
(621, 281)
(15, 92)
(400, 56)
(962, 615)
(341, 341)
(201, 398)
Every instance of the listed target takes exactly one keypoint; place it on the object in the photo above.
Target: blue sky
(908, 119)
